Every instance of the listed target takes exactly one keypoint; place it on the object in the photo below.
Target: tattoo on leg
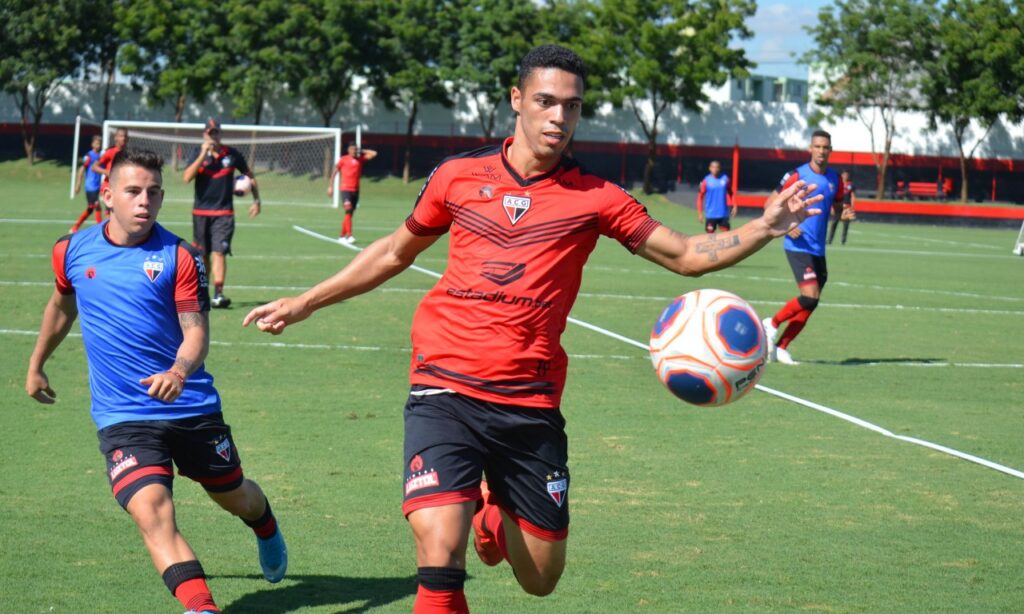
(712, 245)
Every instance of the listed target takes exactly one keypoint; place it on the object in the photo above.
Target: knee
(808, 303)
(541, 584)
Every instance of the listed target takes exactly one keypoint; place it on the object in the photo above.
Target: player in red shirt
(350, 166)
(102, 166)
(487, 367)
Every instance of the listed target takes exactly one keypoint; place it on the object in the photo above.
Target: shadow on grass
(347, 594)
(867, 362)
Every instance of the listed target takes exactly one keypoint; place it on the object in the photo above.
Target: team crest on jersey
(226, 161)
(153, 266)
(224, 449)
(515, 207)
(558, 487)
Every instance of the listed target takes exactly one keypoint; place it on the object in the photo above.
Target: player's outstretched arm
(254, 208)
(379, 262)
(694, 256)
(58, 316)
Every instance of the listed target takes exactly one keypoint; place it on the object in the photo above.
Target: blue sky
(779, 38)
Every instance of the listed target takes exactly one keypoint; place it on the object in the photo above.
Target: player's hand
(207, 146)
(783, 211)
(254, 208)
(273, 317)
(330, 190)
(700, 218)
(796, 233)
(164, 386)
(37, 385)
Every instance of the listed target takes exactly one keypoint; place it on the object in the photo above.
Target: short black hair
(820, 132)
(129, 156)
(551, 56)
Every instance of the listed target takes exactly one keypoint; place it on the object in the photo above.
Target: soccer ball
(242, 185)
(708, 347)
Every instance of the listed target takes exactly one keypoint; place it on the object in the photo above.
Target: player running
(142, 296)
(92, 181)
(350, 166)
(805, 248)
(715, 200)
(102, 166)
(487, 368)
(213, 214)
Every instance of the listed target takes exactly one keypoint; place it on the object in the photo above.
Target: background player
(213, 213)
(102, 166)
(350, 166)
(849, 213)
(92, 181)
(714, 200)
(805, 248)
(142, 296)
(487, 367)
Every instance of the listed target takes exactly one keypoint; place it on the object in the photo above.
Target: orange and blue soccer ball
(242, 185)
(708, 347)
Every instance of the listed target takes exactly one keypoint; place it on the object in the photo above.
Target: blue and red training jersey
(813, 229)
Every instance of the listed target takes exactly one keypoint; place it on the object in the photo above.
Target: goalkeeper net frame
(291, 163)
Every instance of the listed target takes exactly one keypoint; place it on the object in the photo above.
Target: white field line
(777, 393)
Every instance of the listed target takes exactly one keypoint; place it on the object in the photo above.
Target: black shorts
(350, 200)
(808, 268)
(213, 233)
(711, 223)
(450, 439)
(92, 199)
(140, 453)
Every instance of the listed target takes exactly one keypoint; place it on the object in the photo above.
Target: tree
(482, 59)
(332, 43)
(258, 42)
(871, 54)
(975, 72)
(175, 48)
(41, 44)
(409, 70)
(656, 53)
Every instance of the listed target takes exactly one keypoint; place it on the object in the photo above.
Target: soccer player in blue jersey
(141, 293)
(91, 180)
(714, 200)
(805, 247)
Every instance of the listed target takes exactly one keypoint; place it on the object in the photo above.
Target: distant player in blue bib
(141, 295)
(714, 200)
(91, 180)
(805, 247)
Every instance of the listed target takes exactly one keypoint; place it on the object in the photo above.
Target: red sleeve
(787, 180)
(57, 260)
(624, 219)
(430, 216)
(107, 158)
(191, 291)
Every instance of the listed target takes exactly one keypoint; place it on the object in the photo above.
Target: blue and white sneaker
(273, 557)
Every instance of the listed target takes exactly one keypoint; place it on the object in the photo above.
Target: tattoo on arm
(191, 319)
(712, 245)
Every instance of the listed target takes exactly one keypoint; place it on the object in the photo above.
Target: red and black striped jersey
(215, 181)
(492, 325)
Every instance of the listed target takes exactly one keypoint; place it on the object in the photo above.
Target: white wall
(751, 124)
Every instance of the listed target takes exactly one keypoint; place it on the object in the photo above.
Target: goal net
(292, 164)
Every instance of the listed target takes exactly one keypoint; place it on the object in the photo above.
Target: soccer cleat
(782, 355)
(220, 301)
(350, 240)
(770, 331)
(273, 557)
(483, 540)
(342, 240)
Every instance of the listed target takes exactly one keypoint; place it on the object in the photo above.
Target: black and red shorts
(807, 268)
(92, 199)
(140, 453)
(451, 439)
(713, 223)
(350, 200)
(213, 233)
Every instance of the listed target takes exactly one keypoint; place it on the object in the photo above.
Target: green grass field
(762, 506)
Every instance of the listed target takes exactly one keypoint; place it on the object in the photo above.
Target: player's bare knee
(541, 584)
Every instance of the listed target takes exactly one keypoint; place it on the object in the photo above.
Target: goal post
(291, 163)
(78, 151)
(1018, 245)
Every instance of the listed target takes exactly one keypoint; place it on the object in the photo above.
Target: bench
(922, 189)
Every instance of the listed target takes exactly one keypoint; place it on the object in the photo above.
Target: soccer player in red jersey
(140, 293)
(102, 166)
(487, 368)
(350, 166)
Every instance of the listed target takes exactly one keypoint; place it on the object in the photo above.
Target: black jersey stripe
(507, 387)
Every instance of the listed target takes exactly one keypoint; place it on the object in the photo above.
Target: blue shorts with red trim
(140, 453)
(452, 439)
